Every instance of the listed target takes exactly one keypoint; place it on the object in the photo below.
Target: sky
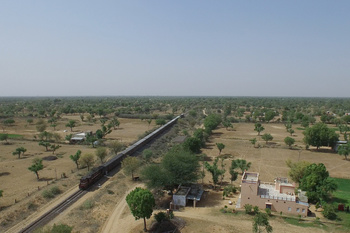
(175, 48)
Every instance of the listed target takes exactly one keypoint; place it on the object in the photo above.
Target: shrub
(55, 190)
(268, 211)
(88, 204)
(329, 211)
(248, 208)
(61, 228)
(256, 210)
(110, 191)
(160, 217)
(47, 194)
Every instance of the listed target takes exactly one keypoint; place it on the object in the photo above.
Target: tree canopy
(344, 150)
(36, 166)
(178, 166)
(130, 165)
(141, 203)
(317, 183)
(320, 135)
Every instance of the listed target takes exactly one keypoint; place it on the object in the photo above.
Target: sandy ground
(113, 214)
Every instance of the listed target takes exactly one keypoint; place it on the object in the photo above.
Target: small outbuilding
(183, 194)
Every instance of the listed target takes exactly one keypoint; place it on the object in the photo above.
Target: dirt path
(117, 222)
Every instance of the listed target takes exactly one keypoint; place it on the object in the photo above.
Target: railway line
(51, 214)
(91, 179)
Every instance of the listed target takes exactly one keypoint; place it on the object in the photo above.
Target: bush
(268, 211)
(329, 211)
(47, 194)
(55, 190)
(88, 204)
(61, 228)
(256, 210)
(110, 191)
(248, 208)
(160, 217)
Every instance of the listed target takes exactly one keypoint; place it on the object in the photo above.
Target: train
(97, 173)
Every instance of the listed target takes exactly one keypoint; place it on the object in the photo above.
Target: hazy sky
(146, 47)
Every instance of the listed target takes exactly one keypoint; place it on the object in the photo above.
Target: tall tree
(320, 135)
(4, 137)
(87, 160)
(141, 203)
(289, 141)
(241, 164)
(214, 170)
(192, 144)
(261, 223)
(317, 183)
(130, 165)
(344, 150)
(267, 137)
(45, 144)
(54, 147)
(19, 151)
(258, 128)
(76, 158)
(101, 153)
(220, 147)
(71, 124)
(297, 169)
(36, 167)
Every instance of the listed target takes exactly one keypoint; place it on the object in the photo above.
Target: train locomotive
(97, 173)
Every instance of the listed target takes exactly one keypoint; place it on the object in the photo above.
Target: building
(278, 196)
(79, 137)
(183, 194)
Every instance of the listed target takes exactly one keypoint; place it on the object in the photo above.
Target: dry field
(20, 186)
(109, 200)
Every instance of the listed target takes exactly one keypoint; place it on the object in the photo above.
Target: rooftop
(250, 176)
(269, 191)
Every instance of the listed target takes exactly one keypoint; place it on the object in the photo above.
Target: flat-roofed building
(279, 196)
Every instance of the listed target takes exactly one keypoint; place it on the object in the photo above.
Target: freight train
(97, 173)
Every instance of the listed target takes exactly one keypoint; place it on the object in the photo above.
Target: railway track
(48, 216)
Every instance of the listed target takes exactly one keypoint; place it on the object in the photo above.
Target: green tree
(181, 166)
(6, 123)
(71, 124)
(4, 137)
(76, 158)
(141, 203)
(101, 153)
(233, 173)
(214, 170)
(289, 141)
(115, 123)
(19, 151)
(267, 137)
(53, 122)
(220, 147)
(253, 141)
(241, 164)
(344, 150)
(45, 144)
(87, 160)
(317, 183)
(115, 147)
(130, 165)
(45, 136)
(261, 223)
(36, 166)
(297, 169)
(160, 121)
(227, 124)
(41, 125)
(258, 128)
(291, 131)
(320, 135)
(269, 115)
(211, 122)
(193, 144)
(54, 148)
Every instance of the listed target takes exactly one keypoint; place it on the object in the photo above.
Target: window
(289, 209)
(303, 210)
(298, 210)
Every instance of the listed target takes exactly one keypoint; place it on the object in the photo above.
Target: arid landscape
(104, 207)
